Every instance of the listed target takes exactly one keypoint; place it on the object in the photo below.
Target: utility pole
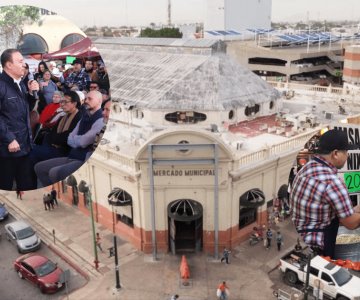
(306, 289)
(117, 275)
(169, 12)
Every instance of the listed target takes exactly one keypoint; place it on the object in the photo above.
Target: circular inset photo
(54, 98)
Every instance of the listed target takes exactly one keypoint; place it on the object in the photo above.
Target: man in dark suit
(15, 130)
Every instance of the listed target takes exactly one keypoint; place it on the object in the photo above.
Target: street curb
(70, 262)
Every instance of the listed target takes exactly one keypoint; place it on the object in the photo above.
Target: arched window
(122, 200)
(249, 202)
(70, 39)
(32, 43)
(185, 117)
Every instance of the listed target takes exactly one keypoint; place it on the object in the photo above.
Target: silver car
(22, 236)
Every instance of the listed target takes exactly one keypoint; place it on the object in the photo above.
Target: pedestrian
(269, 236)
(19, 194)
(46, 202)
(279, 240)
(15, 129)
(98, 242)
(50, 200)
(174, 297)
(222, 291)
(225, 256)
(53, 196)
(319, 199)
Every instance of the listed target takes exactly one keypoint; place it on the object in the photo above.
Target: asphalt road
(14, 288)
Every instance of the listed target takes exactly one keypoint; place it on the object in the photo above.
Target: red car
(40, 271)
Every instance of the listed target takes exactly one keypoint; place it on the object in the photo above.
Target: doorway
(185, 226)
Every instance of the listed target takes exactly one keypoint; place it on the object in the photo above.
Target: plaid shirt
(81, 79)
(318, 195)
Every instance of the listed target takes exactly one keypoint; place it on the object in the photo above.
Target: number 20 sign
(352, 181)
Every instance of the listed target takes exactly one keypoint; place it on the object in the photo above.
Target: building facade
(237, 15)
(195, 153)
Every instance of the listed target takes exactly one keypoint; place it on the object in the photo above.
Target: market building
(196, 151)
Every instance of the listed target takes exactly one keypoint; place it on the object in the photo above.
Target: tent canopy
(81, 49)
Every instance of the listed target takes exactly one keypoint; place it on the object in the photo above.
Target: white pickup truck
(334, 281)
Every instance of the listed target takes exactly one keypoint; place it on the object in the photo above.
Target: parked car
(3, 212)
(334, 281)
(40, 271)
(22, 236)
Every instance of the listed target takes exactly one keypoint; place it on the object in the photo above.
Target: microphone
(34, 93)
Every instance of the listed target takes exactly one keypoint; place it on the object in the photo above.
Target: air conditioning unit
(329, 115)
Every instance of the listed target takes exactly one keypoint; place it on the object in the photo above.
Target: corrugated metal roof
(198, 43)
(165, 80)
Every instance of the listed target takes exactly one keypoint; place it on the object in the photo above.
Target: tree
(12, 20)
(161, 33)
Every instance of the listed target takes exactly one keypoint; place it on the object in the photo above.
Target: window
(32, 43)
(125, 219)
(139, 114)
(70, 39)
(314, 271)
(247, 216)
(122, 200)
(326, 277)
(271, 104)
(231, 114)
(252, 110)
(185, 117)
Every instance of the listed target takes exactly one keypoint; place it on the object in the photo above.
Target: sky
(143, 12)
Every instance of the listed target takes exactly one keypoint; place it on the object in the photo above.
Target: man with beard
(81, 140)
(102, 77)
(15, 130)
(89, 68)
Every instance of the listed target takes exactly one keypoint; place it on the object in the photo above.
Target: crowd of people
(51, 120)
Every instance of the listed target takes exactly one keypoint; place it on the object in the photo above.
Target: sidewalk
(140, 276)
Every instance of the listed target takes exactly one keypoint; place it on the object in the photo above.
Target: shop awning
(81, 49)
(252, 198)
(185, 210)
(119, 197)
(71, 180)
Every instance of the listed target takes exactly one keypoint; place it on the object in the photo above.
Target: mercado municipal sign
(190, 172)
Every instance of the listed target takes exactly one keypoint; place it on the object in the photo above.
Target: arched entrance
(185, 226)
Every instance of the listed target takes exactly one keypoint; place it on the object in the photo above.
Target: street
(12, 287)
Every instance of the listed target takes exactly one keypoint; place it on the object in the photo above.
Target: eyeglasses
(64, 102)
(93, 87)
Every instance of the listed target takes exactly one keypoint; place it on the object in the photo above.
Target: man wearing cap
(78, 77)
(319, 199)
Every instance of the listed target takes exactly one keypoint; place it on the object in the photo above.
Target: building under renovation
(196, 150)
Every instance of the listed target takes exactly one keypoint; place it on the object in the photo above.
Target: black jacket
(14, 117)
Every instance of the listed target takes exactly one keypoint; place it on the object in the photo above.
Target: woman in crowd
(40, 71)
(49, 117)
(47, 87)
(55, 142)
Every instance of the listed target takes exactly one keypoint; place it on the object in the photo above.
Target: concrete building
(237, 15)
(196, 150)
(352, 65)
(301, 63)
